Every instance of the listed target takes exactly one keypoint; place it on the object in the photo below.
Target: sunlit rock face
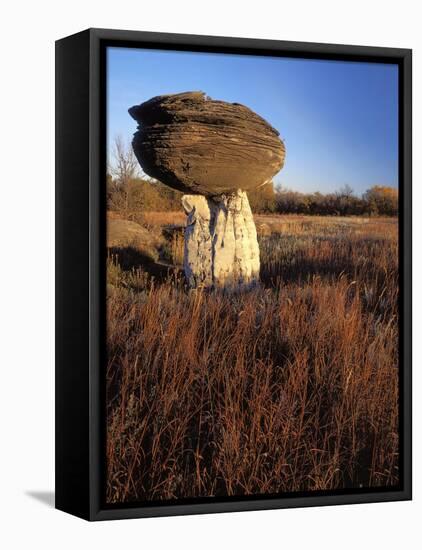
(202, 146)
(221, 245)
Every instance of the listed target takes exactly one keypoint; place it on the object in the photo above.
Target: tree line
(129, 191)
(377, 201)
(151, 195)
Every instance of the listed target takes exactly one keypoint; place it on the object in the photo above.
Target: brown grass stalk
(290, 387)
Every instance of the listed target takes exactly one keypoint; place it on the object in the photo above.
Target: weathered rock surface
(197, 260)
(221, 246)
(202, 146)
(125, 233)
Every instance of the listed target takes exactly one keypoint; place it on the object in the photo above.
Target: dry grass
(164, 218)
(290, 387)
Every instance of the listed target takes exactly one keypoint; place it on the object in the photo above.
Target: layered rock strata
(202, 146)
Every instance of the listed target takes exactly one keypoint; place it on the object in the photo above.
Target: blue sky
(339, 120)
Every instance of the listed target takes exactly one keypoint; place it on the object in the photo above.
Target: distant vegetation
(150, 195)
(376, 201)
(129, 193)
(140, 194)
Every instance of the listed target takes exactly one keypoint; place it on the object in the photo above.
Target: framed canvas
(233, 274)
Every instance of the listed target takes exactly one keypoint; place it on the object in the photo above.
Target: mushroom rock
(213, 151)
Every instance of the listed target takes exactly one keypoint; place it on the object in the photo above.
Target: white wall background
(29, 29)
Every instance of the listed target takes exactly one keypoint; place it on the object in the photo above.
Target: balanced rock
(207, 147)
(214, 152)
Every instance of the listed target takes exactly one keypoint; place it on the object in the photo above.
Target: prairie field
(291, 386)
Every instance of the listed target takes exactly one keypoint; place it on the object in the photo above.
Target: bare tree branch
(124, 165)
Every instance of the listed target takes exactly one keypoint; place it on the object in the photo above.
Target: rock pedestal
(221, 246)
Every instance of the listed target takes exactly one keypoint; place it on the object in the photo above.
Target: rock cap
(203, 146)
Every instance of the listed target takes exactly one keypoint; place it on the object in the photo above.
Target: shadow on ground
(45, 497)
(130, 258)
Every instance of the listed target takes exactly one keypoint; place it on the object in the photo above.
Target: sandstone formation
(221, 246)
(202, 146)
(214, 151)
(124, 233)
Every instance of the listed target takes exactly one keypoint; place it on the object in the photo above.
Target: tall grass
(290, 387)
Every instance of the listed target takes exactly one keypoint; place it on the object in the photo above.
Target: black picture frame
(80, 257)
